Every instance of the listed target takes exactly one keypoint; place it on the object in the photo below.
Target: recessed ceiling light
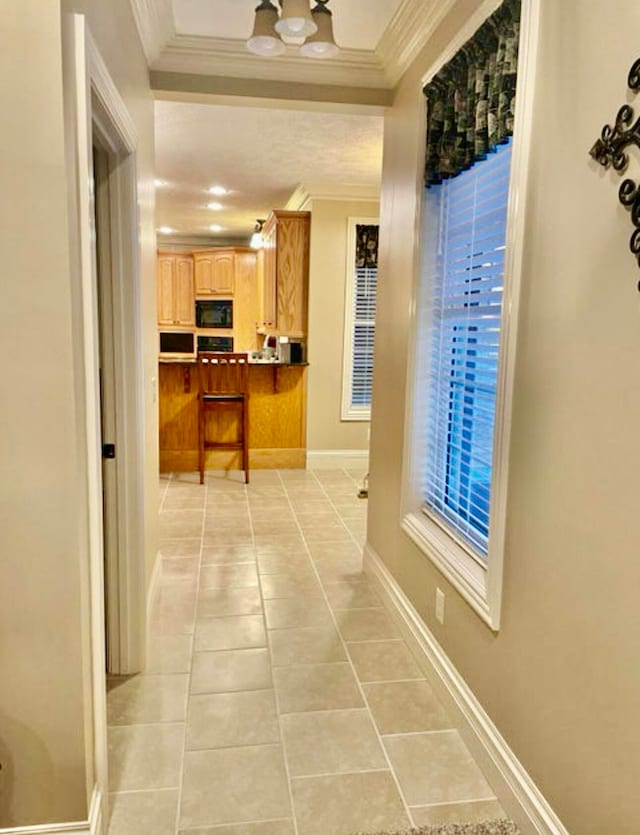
(217, 190)
(215, 227)
(165, 230)
(215, 206)
(160, 183)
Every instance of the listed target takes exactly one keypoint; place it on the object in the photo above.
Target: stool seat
(223, 379)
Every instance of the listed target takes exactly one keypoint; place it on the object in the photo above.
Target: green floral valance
(366, 245)
(471, 101)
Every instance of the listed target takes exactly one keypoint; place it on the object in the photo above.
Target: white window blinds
(465, 311)
(360, 322)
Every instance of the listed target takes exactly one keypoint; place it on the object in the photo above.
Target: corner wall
(561, 680)
(327, 287)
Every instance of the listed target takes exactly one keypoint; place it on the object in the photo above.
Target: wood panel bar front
(277, 418)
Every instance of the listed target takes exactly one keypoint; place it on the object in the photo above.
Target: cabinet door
(184, 294)
(269, 297)
(292, 255)
(166, 289)
(224, 267)
(246, 302)
(204, 274)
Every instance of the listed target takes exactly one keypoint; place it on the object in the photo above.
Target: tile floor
(279, 698)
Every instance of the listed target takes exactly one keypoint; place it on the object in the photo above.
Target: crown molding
(408, 32)
(204, 55)
(155, 24)
(306, 193)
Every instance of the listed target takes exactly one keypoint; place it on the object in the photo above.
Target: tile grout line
(193, 649)
(453, 802)
(350, 662)
(285, 758)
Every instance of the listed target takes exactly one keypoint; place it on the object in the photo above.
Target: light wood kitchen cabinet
(176, 297)
(215, 272)
(286, 272)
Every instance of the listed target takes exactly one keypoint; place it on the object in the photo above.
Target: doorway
(103, 206)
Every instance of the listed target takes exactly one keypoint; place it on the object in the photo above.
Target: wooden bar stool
(224, 381)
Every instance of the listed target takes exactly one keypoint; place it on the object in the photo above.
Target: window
(465, 282)
(456, 455)
(360, 314)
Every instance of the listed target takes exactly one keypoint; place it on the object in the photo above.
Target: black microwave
(214, 313)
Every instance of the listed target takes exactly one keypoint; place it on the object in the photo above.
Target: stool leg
(245, 439)
(201, 441)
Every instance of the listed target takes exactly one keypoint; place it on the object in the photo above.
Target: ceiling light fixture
(257, 241)
(215, 227)
(216, 207)
(271, 32)
(165, 230)
(219, 191)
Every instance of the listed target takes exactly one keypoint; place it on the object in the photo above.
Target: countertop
(193, 361)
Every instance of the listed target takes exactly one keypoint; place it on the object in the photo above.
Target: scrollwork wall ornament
(610, 150)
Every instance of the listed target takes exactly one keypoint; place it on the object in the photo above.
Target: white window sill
(363, 415)
(464, 573)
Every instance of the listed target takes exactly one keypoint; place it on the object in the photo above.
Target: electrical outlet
(440, 606)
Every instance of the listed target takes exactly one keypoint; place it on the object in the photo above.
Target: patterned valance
(366, 246)
(471, 101)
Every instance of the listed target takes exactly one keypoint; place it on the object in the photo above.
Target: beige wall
(561, 680)
(327, 287)
(44, 748)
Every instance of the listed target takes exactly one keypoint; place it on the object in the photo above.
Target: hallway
(279, 698)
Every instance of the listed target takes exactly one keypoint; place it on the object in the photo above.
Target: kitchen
(283, 304)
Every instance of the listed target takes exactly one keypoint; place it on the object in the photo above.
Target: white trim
(154, 582)
(207, 55)
(103, 87)
(127, 581)
(78, 828)
(92, 826)
(330, 459)
(516, 791)
(410, 29)
(155, 25)
(348, 412)
(306, 193)
(482, 587)
(98, 812)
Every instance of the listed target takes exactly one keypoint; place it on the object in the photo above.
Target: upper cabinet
(176, 296)
(215, 272)
(286, 272)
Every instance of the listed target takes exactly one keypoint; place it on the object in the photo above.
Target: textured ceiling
(260, 154)
(358, 24)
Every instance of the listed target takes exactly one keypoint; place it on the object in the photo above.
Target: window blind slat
(465, 309)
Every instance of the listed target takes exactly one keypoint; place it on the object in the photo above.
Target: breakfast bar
(277, 419)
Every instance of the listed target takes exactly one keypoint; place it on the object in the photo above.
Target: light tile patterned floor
(279, 698)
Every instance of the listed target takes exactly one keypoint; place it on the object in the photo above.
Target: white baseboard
(154, 582)
(331, 459)
(93, 826)
(516, 791)
(97, 813)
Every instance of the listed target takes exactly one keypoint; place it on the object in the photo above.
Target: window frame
(349, 412)
(479, 584)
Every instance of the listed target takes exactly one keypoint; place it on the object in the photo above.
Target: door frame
(93, 106)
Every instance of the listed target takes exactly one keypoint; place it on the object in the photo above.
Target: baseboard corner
(515, 789)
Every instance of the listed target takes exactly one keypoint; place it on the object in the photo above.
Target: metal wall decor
(610, 150)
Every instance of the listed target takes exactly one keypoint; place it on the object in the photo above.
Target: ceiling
(260, 155)
(261, 127)
(358, 24)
